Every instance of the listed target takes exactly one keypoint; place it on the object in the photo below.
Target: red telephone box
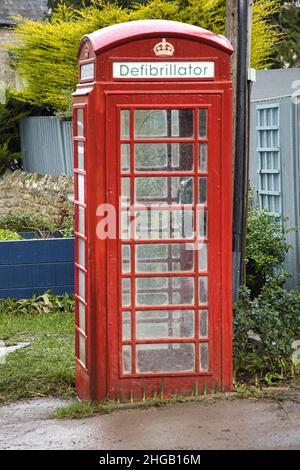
(152, 140)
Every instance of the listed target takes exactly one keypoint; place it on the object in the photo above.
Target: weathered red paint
(101, 99)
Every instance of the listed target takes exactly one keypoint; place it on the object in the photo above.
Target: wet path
(223, 424)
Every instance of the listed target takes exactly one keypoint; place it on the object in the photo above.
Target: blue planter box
(30, 267)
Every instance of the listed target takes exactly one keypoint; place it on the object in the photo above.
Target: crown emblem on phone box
(164, 49)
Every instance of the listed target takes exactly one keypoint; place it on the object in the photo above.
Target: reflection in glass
(80, 130)
(203, 123)
(203, 290)
(125, 191)
(80, 155)
(202, 247)
(126, 325)
(81, 227)
(202, 222)
(160, 224)
(81, 252)
(162, 123)
(125, 124)
(164, 190)
(81, 188)
(165, 291)
(204, 360)
(126, 292)
(164, 258)
(203, 190)
(81, 316)
(82, 349)
(126, 258)
(203, 323)
(153, 324)
(203, 158)
(81, 284)
(164, 157)
(126, 359)
(172, 357)
(125, 157)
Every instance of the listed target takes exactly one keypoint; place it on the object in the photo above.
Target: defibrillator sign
(160, 70)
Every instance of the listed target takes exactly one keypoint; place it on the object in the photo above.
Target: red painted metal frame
(124, 384)
(102, 99)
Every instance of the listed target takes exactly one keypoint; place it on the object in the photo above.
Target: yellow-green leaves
(46, 54)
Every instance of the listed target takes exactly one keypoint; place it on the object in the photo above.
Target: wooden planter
(30, 267)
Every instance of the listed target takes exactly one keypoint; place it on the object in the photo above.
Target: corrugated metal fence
(46, 143)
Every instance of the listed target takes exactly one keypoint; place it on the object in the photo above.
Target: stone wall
(43, 195)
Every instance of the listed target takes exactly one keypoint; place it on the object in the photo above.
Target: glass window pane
(80, 156)
(164, 258)
(126, 259)
(164, 190)
(203, 158)
(125, 191)
(203, 290)
(202, 247)
(165, 291)
(125, 124)
(176, 357)
(125, 225)
(202, 222)
(81, 316)
(126, 325)
(203, 123)
(82, 349)
(160, 224)
(81, 215)
(125, 158)
(80, 130)
(127, 359)
(204, 359)
(203, 190)
(81, 188)
(126, 292)
(153, 324)
(81, 252)
(162, 123)
(81, 284)
(164, 157)
(203, 323)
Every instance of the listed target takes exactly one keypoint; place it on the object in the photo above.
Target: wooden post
(237, 31)
(231, 32)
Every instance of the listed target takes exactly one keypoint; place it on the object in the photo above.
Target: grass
(79, 410)
(46, 367)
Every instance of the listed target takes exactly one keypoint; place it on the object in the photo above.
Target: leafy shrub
(264, 330)
(10, 114)
(8, 235)
(46, 303)
(266, 248)
(50, 86)
(8, 159)
(24, 222)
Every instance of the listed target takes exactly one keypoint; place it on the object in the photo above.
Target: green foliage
(266, 248)
(24, 222)
(8, 235)
(8, 159)
(46, 303)
(264, 330)
(46, 367)
(10, 114)
(46, 53)
(288, 51)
